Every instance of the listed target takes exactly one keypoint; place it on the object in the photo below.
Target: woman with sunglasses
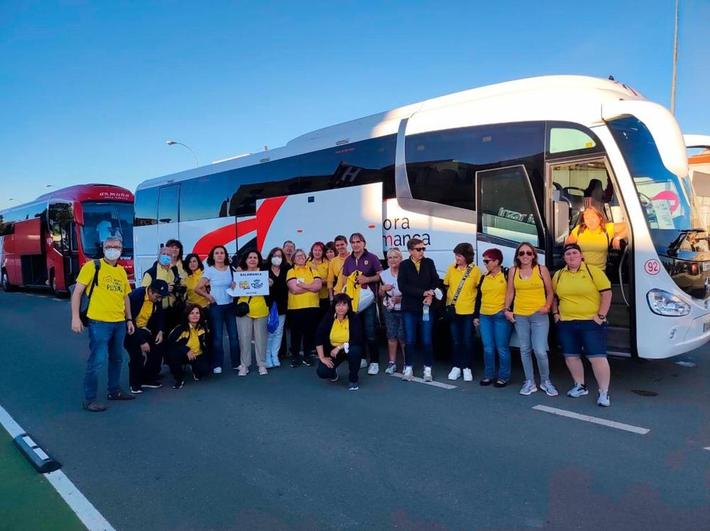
(490, 318)
(417, 281)
(530, 292)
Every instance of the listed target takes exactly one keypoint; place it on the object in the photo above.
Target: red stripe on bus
(265, 217)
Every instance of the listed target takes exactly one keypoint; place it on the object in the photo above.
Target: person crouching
(339, 338)
(145, 346)
(188, 343)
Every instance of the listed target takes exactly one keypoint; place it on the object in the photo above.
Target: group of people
(330, 300)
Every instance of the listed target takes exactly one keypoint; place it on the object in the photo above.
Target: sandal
(486, 381)
(500, 383)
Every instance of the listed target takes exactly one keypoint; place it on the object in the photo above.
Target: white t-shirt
(387, 277)
(220, 281)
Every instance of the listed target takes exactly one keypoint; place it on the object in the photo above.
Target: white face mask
(112, 254)
(276, 260)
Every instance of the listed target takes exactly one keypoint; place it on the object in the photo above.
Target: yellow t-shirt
(417, 265)
(340, 332)
(162, 274)
(529, 293)
(193, 297)
(193, 339)
(145, 312)
(579, 292)
(322, 269)
(493, 293)
(257, 306)
(107, 302)
(335, 267)
(467, 297)
(595, 244)
(300, 301)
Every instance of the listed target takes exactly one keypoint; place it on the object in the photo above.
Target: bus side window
(146, 207)
(506, 205)
(585, 184)
(168, 204)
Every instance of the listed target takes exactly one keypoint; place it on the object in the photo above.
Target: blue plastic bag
(272, 321)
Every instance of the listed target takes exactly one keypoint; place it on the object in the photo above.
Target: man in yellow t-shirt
(335, 266)
(109, 317)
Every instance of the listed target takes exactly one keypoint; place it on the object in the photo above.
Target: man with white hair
(108, 318)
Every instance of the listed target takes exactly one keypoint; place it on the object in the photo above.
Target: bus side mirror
(561, 207)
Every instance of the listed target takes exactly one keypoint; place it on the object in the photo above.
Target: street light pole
(173, 143)
(675, 58)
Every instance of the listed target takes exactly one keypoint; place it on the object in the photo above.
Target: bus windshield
(103, 219)
(660, 191)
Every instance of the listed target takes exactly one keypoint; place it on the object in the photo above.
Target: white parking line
(707, 448)
(593, 420)
(433, 384)
(77, 502)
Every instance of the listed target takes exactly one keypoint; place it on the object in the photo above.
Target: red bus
(44, 243)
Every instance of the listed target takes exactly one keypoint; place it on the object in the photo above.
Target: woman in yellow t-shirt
(304, 285)
(530, 287)
(594, 236)
(318, 261)
(461, 280)
(188, 343)
(253, 324)
(583, 297)
(194, 267)
(339, 338)
(490, 318)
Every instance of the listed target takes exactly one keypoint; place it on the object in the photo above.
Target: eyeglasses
(526, 253)
(419, 249)
(486, 260)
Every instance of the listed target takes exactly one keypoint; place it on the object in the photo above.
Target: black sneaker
(93, 406)
(136, 390)
(486, 381)
(179, 384)
(297, 362)
(195, 376)
(353, 387)
(307, 362)
(155, 384)
(120, 395)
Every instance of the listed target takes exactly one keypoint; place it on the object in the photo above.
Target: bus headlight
(662, 302)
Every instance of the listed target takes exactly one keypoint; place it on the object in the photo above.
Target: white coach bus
(494, 166)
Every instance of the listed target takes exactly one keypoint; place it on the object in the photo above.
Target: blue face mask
(164, 259)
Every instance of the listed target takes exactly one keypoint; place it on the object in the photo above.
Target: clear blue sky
(90, 91)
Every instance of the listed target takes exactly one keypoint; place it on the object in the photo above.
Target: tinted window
(146, 207)
(506, 205)
(20, 213)
(168, 204)
(441, 165)
(206, 197)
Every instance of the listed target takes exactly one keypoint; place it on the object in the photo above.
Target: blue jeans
(495, 335)
(222, 315)
(532, 333)
(368, 318)
(105, 341)
(461, 327)
(413, 323)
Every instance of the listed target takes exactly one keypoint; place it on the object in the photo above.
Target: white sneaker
(373, 369)
(603, 399)
(467, 375)
(408, 373)
(263, 371)
(455, 373)
(217, 370)
(528, 388)
(391, 368)
(427, 374)
(243, 371)
(363, 363)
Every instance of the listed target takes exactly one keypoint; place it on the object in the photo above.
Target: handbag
(242, 308)
(272, 321)
(361, 298)
(450, 312)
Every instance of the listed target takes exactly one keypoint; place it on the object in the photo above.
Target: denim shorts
(394, 325)
(579, 337)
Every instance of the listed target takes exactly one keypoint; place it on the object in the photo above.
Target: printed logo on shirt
(113, 284)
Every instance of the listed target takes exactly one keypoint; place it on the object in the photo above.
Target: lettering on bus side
(397, 232)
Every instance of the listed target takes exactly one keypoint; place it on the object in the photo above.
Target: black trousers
(177, 359)
(353, 356)
(303, 324)
(143, 368)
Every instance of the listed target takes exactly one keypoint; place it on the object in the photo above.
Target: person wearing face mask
(109, 319)
(162, 269)
(278, 291)
(145, 347)
(582, 301)
(176, 258)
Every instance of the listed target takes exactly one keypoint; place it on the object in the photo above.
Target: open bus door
(62, 260)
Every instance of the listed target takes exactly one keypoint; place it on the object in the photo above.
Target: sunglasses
(526, 253)
(486, 260)
(419, 249)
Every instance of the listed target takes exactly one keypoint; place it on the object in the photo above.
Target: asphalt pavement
(288, 451)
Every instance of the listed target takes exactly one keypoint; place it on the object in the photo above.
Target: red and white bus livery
(44, 243)
(494, 166)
